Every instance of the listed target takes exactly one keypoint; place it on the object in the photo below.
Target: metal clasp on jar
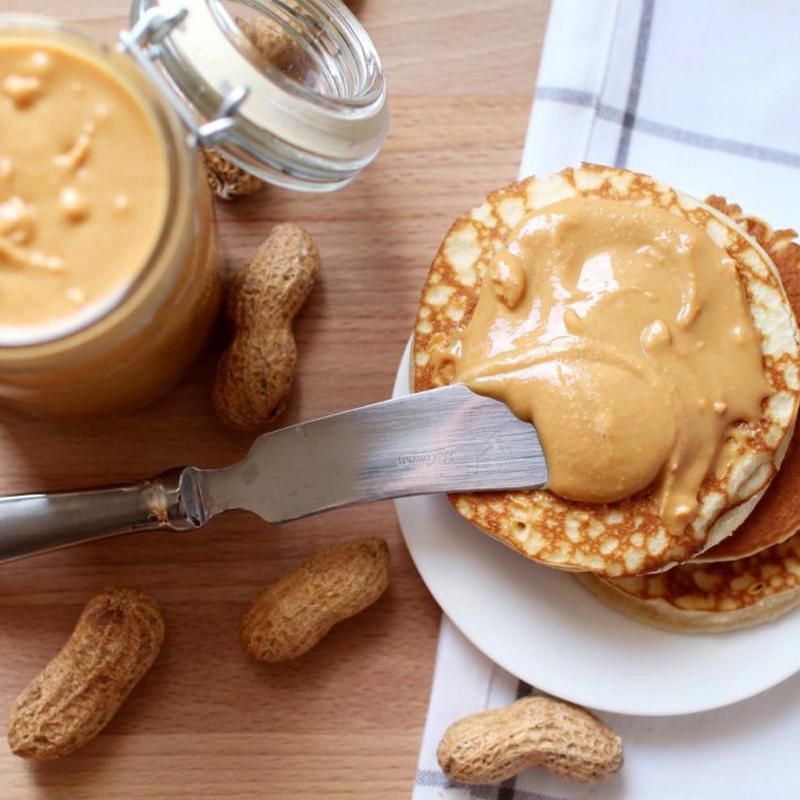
(144, 44)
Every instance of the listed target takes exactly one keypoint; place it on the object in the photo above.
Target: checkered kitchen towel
(704, 94)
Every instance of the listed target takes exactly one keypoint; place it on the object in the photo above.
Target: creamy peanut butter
(83, 187)
(623, 333)
(109, 272)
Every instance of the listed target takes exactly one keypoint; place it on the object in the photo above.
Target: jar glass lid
(290, 90)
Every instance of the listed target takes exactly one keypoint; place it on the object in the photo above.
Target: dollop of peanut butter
(622, 332)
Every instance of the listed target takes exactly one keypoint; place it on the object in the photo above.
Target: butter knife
(442, 440)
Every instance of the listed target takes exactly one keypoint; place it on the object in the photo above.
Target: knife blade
(443, 440)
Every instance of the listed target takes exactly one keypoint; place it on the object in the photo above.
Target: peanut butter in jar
(108, 271)
(109, 280)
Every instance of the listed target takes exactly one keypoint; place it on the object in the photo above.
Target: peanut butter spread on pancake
(777, 515)
(626, 536)
(623, 333)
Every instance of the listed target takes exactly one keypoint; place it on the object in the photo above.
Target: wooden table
(345, 721)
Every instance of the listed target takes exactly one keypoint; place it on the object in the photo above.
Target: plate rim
(402, 508)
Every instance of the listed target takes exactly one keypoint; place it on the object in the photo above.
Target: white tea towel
(704, 94)
(746, 751)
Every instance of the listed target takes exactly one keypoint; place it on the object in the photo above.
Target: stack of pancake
(737, 561)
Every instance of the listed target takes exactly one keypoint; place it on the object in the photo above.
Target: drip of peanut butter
(622, 332)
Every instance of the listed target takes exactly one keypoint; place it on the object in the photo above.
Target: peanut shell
(117, 638)
(289, 617)
(533, 732)
(225, 179)
(256, 371)
(272, 42)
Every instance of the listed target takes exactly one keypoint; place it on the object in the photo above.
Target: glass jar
(310, 118)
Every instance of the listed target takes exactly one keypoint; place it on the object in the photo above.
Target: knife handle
(36, 523)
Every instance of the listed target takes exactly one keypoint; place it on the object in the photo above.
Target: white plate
(542, 626)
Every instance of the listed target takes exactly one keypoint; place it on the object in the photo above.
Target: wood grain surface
(345, 721)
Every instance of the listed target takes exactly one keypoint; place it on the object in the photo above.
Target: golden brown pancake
(706, 598)
(774, 519)
(626, 537)
(777, 515)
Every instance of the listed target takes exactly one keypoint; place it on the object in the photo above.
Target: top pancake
(626, 537)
